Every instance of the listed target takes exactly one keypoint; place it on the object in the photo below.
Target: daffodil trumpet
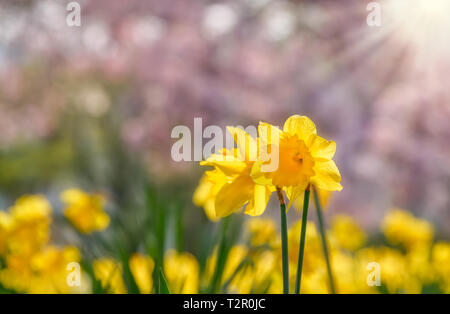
(302, 241)
(324, 240)
(284, 242)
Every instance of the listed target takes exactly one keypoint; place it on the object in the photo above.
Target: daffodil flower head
(141, 267)
(109, 272)
(303, 157)
(238, 188)
(182, 272)
(85, 211)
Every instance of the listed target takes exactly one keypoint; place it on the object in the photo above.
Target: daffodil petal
(258, 176)
(301, 126)
(327, 176)
(247, 145)
(258, 204)
(269, 134)
(232, 196)
(320, 148)
(293, 193)
(229, 168)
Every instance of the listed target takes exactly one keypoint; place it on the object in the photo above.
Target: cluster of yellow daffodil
(31, 263)
(409, 261)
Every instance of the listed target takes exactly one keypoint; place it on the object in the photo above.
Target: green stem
(302, 242)
(284, 242)
(324, 241)
(222, 256)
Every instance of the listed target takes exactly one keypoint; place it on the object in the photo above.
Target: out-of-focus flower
(235, 273)
(261, 230)
(265, 271)
(239, 189)
(304, 157)
(313, 257)
(5, 227)
(394, 267)
(401, 227)
(30, 224)
(182, 272)
(51, 266)
(109, 272)
(85, 211)
(440, 259)
(44, 272)
(347, 233)
(141, 267)
(32, 265)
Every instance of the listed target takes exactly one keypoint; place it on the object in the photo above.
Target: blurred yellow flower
(30, 226)
(43, 272)
(50, 266)
(304, 157)
(141, 268)
(238, 276)
(85, 211)
(440, 259)
(261, 230)
(401, 227)
(182, 272)
(238, 189)
(5, 227)
(265, 267)
(347, 233)
(395, 275)
(109, 272)
(313, 258)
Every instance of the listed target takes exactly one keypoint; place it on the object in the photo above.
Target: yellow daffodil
(313, 248)
(303, 157)
(401, 227)
(440, 259)
(237, 275)
(182, 272)
(347, 233)
(5, 227)
(44, 272)
(109, 272)
(85, 211)
(30, 228)
(239, 189)
(262, 231)
(141, 268)
(50, 268)
(393, 264)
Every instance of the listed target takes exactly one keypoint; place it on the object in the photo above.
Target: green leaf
(162, 283)
(222, 256)
(128, 276)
